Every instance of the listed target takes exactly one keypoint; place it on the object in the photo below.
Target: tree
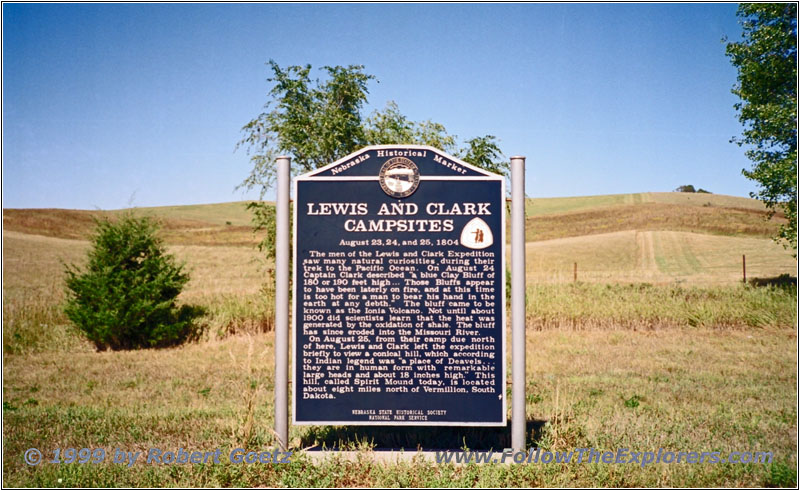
(317, 122)
(484, 152)
(688, 188)
(766, 60)
(391, 126)
(126, 297)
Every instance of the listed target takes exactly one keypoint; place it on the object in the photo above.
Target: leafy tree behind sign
(317, 122)
(766, 59)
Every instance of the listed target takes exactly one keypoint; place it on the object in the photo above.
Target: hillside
(548, 218)
(553, 218)
(651, 216)
(545, 206)
(233, 213)
(660, 256)
(213, 224)
(644, 237)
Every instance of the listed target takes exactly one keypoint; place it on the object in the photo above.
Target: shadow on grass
(782, 281)
(416, 437)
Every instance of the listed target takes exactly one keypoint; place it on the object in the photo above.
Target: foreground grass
(681, 389)
(634, 366)
(644, 306)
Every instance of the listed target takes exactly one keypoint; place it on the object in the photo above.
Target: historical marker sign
(399, 291)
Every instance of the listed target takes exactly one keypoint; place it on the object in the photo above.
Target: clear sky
(107, 106)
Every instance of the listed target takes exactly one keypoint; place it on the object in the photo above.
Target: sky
(107, 106)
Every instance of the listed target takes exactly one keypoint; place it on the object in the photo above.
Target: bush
(688, 188)
(126, 298)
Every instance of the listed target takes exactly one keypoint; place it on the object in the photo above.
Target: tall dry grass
(230, 282)
(233, 284)
(586, 306)
(33, 291)
(681, 389)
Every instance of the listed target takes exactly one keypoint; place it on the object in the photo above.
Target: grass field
(658, 345)
(548, 206)
(655, 257)
(677, 389)
(233, 213)
(228, 280)
(177, 228)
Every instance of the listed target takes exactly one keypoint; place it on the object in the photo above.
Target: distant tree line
(688, 188)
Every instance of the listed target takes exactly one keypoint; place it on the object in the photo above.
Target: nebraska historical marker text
(399, 291)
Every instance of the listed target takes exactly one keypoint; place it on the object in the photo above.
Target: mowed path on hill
(643, 237)
(693, 238)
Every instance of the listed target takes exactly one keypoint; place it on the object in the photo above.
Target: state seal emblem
(399, 177)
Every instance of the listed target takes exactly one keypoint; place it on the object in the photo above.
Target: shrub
(126, 297)
(688, 188)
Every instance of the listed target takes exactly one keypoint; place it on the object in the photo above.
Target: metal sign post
(282, 303)
(518, 416)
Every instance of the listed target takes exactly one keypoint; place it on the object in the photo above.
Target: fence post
(744, 270)
(575, 272)
(282, 303)
(518, 416)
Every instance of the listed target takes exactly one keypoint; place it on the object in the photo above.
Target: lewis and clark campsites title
(399, 291)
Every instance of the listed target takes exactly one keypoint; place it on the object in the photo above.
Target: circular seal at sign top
(399, 177)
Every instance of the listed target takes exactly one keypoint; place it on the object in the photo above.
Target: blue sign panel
(399, 291)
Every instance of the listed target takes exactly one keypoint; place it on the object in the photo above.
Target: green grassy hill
(653, 238)
(232, 213)
(548, 218)
(661, 256)
(643, 237)
(545, 206)
(213, 224)
(553, 218)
